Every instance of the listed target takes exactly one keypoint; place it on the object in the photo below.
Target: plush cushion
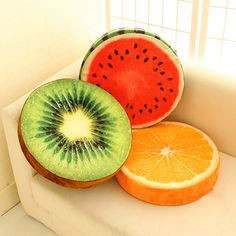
(108, 207)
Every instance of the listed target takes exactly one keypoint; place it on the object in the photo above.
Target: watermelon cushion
(140, 70)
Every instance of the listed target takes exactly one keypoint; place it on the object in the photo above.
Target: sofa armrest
(23, 172)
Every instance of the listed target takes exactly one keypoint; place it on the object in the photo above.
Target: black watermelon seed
(131, 107)
(116, 52)
(169, 78)
(145, 106)
(133, 116)
(155, 69)
(160, 83)
(161, 88)
(162, 72)
(140, 111)
(135, 45)
(126, 51)
(137, 56)
(156, 106)
(171, 90)
(160, 63)
(156, 99)
(110, 65)
(164, 99)
(94, 75)
(110, 57)
(122, 58)
(150, 110)
(101, 65)
(146, 59)
(104, 77)
(154, 58)
(144, 50)
(127, 105)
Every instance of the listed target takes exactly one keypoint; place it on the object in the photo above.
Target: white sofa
(209, 103)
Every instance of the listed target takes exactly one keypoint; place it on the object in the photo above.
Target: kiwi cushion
(74, 133)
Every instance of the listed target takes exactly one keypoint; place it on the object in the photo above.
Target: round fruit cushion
(170, 163)
(140, 70)
(74, 133)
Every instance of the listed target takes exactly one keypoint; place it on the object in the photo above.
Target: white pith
(76, 126)
(166, 151)
(176, 185)
(159, 44)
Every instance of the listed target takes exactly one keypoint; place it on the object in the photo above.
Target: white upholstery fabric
(209, 104)
(108, 205)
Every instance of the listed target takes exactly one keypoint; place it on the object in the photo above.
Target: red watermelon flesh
(141, 72)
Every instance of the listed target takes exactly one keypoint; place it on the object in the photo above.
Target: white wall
(37, 38)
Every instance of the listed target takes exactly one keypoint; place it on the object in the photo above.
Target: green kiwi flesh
(75, 130)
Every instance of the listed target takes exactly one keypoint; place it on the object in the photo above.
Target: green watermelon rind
(121, 31)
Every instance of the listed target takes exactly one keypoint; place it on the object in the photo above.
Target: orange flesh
(169, 153)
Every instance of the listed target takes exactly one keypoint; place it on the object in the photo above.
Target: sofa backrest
(209, 103)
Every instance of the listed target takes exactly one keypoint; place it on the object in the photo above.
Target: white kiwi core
(76, 126)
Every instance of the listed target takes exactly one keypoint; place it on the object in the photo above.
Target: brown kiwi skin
(55, 178)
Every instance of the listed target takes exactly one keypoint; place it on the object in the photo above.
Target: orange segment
(179, 171)
(167, 159)
(196, 165)
(161, 167)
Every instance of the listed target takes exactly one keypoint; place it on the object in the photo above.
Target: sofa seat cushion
(108, 206)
